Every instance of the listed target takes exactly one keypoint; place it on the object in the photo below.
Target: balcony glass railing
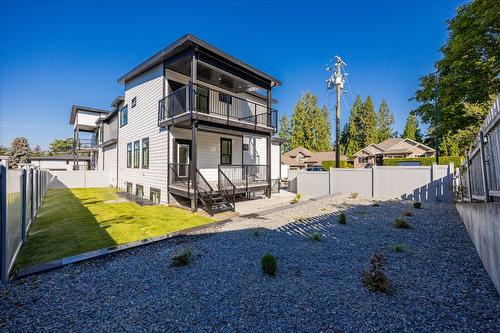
(86, 144)
(211, 101)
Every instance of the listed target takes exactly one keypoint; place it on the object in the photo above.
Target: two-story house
(196, 124)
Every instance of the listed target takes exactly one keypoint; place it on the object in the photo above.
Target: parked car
(315, 169)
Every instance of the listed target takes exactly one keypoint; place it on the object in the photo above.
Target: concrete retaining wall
(482, 221)
(78, 179)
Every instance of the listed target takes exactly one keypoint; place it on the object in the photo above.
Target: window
(225, 98)
(137, 151)
(129, 155)
(129, 188)
(124, 116)
(139, 191)
(133, 103)
(245, 147)
(225, 151)
(154, 195)
(145, 153)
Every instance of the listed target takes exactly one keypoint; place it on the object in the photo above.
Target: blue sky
(57, 53)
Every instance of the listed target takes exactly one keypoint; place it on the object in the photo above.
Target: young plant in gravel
(353, 195)
(181, 258)
(297, 198)
(400, 223)
(256, 232)
(269, 264)
(375, 204)
(342, 218)
(315, 236)
(417, 205)
(398, 248)
(408, 213)
(373, 277)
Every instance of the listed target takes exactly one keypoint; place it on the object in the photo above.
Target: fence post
(434, 184)
(469, 181)
(373, 180)
(23, 205)
(32, 212)
(3, 223)
(483, 167)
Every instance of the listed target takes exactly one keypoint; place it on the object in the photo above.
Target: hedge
(327, 165)
(425, 161)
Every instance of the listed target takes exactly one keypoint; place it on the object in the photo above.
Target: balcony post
(194, 164)
(268, 141)
(194, 75)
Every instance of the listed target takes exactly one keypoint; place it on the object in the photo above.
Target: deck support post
(268, 142)
(194, 132)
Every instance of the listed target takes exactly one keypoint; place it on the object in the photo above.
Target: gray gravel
(438, 284)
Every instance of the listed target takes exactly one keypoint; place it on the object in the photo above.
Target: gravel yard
(438, 282)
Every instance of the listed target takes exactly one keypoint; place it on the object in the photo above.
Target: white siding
(142, 123)
(86, 118)
(256, 153)
(110, 161)
(208, 150)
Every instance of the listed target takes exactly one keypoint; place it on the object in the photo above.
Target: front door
(183, 157)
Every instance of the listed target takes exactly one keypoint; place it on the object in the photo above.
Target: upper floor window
(225, 98)
(137, 157)
(133, 103)
(226, 151)
(145, 153)
(129, 155)
(124, 116)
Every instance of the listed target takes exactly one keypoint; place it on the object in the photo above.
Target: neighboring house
(61, 162)
(195, 124)
(374, 154)
(301, 158)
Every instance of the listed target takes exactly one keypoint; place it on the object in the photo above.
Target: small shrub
(398, 248)
(407, 213)
(342, 218)
(353, 195)
(181, 258)
(269, 264)
(315, 236)
(373, 276)
(417, 205)
(297, 198)
(375, 204)
(400, 223)
(300, 219)
(256, 232)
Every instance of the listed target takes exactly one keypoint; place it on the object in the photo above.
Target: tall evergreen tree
(310, 127)
(369, 123)
(352, 138)
(385, 121)
(19, 152)
(412, 130)
(284, 133)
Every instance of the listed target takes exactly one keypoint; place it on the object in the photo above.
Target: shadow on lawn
(64, 226)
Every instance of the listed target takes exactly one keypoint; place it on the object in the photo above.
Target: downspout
(117, 142)
(164, 94)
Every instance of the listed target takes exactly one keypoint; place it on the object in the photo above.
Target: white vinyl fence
(78, 179)
(21, 193)
(419, 183)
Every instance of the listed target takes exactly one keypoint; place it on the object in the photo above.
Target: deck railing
(245, 176)
(215, 102)
(86, 144)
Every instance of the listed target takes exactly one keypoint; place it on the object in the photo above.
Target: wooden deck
(182, 188)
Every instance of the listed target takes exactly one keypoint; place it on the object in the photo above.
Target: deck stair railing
(205, 192)
(226, 188)
(246, 176)
(212, 101)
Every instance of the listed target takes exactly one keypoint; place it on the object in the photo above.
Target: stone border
(58, 263)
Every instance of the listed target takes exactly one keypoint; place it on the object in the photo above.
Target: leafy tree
(352, 138)
(61, 146)
(284, 133)
(37, 152)
(19, 152)
(468, 72)
(369, 123)
(385, 121)
(310, 127)
(412, 130)
(3, 150)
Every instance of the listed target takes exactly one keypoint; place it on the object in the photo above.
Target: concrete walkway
(261, 203)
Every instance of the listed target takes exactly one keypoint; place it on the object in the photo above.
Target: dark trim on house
(230, 151)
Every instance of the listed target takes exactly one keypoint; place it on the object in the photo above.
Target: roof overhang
(176, 56)
(76, 108)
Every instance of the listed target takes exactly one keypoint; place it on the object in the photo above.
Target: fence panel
(315, 184)
(351, 180)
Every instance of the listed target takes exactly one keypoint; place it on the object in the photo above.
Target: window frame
(129, 155)
(125, 107)
(137, 187)
(152, 191)
(131, 186)
(226, 155)
(137, 154)
(143, 164)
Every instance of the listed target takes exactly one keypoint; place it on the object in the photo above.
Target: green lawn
(73, 221)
